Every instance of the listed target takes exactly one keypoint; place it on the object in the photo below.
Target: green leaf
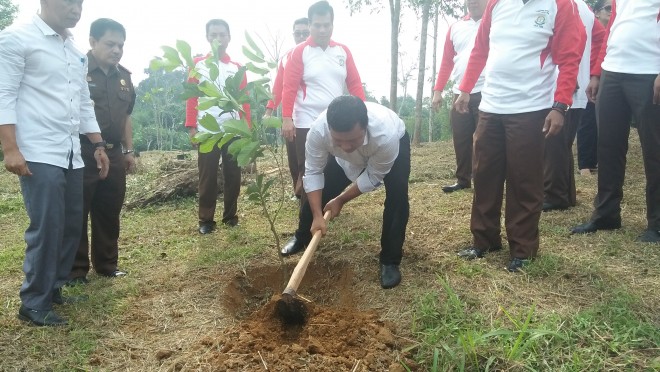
(253, 45)
(271, 65)
(209, 89)
(209, 123)
(246, 154)
(206, 103)
(207, 146)
(171, 54)
(253, 57)
(189, 90)
(157, 64)
(272, 122)
(184, 50)
(201, 137)
(238, 127)
(214, 72)
(257, 70)
(236, 146)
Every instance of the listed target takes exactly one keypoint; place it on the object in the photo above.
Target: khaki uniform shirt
(114, 97)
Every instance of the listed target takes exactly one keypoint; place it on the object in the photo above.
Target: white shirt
(44, 92)
(366, 166)
(226, 69)
(633, 46)
(459, 44)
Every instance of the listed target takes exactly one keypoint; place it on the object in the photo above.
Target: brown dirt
(336, 336)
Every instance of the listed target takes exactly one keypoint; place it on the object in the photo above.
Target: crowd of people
(528, 76)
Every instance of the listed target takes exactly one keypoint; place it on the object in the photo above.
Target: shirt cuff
(8, 117)
(364, 183)
(313, 182)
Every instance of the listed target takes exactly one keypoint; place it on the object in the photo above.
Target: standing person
(43, 108)
(458, 45)
(112, 91)
(316, 73)
(216, 30)
(559, 170)
(628, 86)
(587, 132)
(300, 34)
(352, 148)
(519, 45)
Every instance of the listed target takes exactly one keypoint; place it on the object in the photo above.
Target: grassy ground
(589, 303)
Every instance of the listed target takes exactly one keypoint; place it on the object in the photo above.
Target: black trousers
(558, 164)
(208, 184)
(395, 213)
(462, 128)
(620, 97)
(587, 139)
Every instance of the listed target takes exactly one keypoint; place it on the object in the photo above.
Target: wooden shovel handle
(301, 267)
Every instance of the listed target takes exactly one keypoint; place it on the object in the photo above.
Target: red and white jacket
(518, 46)
(227, 68)
(313, 77)
(632, 41)
(278, 83)
(458, 45)
(595, 35)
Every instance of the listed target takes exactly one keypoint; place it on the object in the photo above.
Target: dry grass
(174, 294)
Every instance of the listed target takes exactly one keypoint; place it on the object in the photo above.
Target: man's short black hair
(103, 25)
(599, 5)
(217, 22)
(345, 111)
(301, 21)
(321, 8)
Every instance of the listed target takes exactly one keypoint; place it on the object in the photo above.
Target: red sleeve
(597, 35)
(447, 63)
(479, 54)
(293, 73)
(566, 47)
(277, 86)
(596, 69)
(191, 103)
(353, 81)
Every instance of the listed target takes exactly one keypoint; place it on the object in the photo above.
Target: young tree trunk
(420, 76)
(395, 15)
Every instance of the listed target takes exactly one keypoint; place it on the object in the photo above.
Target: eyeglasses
(301, 33)
(607, 8)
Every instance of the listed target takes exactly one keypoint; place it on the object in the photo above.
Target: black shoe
(454, 187)
(293, 246)
(231, 223)
(547, 207)
(41, 318)
(60, 299)
(114, 274)
(206, 227)
(591, 227)
(471, 253)
(649, 236)
(390, 276)
(79, 280)
(517, 264)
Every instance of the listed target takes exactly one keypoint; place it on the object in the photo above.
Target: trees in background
(8, 12)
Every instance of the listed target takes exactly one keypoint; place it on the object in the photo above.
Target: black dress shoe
(231, 223)
(61, 299)
(293, 246)
(471, 253)
(390, 276)
(114, 274)
(41, 318)
(79, 280)
(517, 264)
(547, 207)
(650, 236)
(454, 187)
(591, 227)
(206, 227)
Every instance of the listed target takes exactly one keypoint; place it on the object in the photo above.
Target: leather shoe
(206, 227)
(231, 223)
(293, 246)
(114, 274)
(79, 280)
(40, 318)
(60, 299)
(649, 236)
(591, 227)
(390, 276)
(454, 187)
(517, 264)
(471, 253)
(547, 207)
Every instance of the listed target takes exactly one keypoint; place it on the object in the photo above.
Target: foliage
(8, 12)
(246, 141)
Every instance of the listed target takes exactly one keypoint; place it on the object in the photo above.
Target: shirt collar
(47, 30)
(93, 65)
(311, 42)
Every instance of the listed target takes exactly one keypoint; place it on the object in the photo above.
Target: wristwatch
(561, 107)
(126, 152)
(98, 145)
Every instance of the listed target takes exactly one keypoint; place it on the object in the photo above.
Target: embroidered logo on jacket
(541, 18)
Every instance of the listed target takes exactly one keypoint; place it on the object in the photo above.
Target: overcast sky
(151, 24)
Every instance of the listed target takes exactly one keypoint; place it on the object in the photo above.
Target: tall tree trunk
(395, 15)
(433, 71)
(420, 74)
